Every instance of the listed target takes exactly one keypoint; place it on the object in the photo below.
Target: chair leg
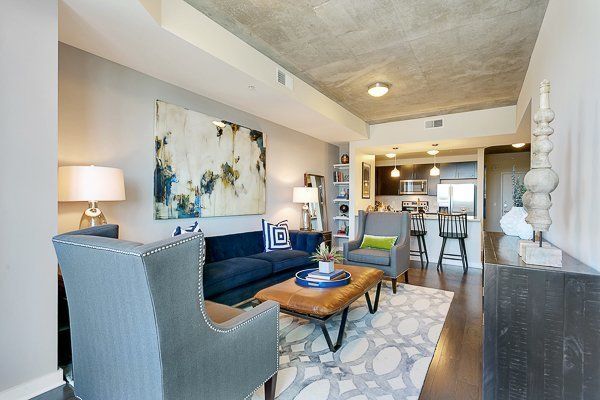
(425, 249)
(406, 277)
(270, 388)
(394, 285)
(420, 250)
(439, 264)
(463, 252)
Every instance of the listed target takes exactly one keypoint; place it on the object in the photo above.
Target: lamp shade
(90, 183)
(306, 195)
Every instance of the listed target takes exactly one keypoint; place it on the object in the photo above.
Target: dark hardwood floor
(455, 371)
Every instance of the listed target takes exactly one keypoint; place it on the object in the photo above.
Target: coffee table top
(322, 302)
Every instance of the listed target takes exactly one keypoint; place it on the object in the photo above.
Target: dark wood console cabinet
(542, 327)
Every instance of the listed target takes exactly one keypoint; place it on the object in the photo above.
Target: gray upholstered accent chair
(393, 263)
(141, 330)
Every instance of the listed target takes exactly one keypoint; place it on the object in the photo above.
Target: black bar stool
(418, 230)
(453, 226)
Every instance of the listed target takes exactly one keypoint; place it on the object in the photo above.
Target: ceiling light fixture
(378, 89)
(220, 124)
(435, 171)
(390, 155)
(395, 172)
(433, 151)
(518, 145)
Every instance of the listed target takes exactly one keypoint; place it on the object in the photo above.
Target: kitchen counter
(434, 242)
(434, 216)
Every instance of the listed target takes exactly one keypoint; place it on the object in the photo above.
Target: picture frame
(366, 180)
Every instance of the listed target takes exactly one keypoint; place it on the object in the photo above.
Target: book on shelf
(339, 176)
(336, 274)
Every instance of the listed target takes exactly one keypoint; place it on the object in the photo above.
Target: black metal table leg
(373, 308)
(340, 336)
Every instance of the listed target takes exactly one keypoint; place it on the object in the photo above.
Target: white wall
(567, 53)
(106, 117)
(28, 272)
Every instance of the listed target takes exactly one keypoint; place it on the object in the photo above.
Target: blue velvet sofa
(237, 265)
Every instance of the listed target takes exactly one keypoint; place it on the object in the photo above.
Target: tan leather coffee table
(321, 304)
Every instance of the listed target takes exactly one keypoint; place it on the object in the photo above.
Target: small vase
(326, 267)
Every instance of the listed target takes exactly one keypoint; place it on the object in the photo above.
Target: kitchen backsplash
(396, 201)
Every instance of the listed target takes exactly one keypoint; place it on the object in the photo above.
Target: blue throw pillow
(276, 236)
(190, 229)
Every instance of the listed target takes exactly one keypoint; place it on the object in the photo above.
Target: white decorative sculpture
(540, 181)
(513, 223)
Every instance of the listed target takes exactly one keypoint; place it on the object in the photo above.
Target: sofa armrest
(349, 246)
(400, 258)
(307, 241)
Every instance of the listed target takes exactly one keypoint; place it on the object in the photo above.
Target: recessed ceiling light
(390, 155)
(378, 89)
(518, 145)
(219, 124)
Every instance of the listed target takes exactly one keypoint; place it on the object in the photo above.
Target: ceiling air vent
(284, 78)
(434, 123)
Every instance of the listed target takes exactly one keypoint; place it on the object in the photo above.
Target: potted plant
(327, 258)
(513, 222)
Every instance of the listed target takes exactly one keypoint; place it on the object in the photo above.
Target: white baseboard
(34, 387)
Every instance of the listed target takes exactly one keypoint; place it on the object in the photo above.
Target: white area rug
(384, 356)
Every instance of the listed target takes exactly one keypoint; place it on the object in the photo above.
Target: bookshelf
(341, 221)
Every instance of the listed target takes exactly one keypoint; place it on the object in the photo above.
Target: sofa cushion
(370, 256)
(219, 248)
(284, 259)
(227, 274)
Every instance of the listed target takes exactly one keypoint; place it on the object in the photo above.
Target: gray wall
(568, 55)
(496, 164)
(28, 110)
(106, 117)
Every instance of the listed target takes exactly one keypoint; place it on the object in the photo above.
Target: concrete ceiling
(440, 56)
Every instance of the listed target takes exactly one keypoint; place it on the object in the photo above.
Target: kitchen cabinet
(421, 171)
(460, 170)
(407, 171)
(466, 170)
(385, 185)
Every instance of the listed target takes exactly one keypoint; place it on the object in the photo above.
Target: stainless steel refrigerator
(458, 197)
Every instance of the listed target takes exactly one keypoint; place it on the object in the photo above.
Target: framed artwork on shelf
(366, 180)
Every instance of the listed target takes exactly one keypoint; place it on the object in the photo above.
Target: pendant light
(395, 172)
(435, 171)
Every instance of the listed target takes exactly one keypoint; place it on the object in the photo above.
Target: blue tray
(301, 275)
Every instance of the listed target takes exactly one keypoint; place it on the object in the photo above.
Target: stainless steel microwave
(413, 186)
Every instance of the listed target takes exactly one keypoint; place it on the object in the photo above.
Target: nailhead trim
(201, 258)
(129, 253)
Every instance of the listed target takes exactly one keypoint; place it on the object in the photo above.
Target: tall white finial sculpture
(540, 181)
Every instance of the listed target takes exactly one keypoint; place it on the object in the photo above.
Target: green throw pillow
(378, 242)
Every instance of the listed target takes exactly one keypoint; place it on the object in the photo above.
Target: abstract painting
(206, 167)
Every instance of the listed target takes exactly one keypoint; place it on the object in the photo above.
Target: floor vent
(434, 123)
(284, 78)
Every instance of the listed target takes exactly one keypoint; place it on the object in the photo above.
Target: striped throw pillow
(276, 236)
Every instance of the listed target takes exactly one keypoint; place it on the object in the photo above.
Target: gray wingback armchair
(393, 263)
(141, 330)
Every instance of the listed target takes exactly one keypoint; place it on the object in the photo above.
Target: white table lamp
(306, 195)
(91, 184)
